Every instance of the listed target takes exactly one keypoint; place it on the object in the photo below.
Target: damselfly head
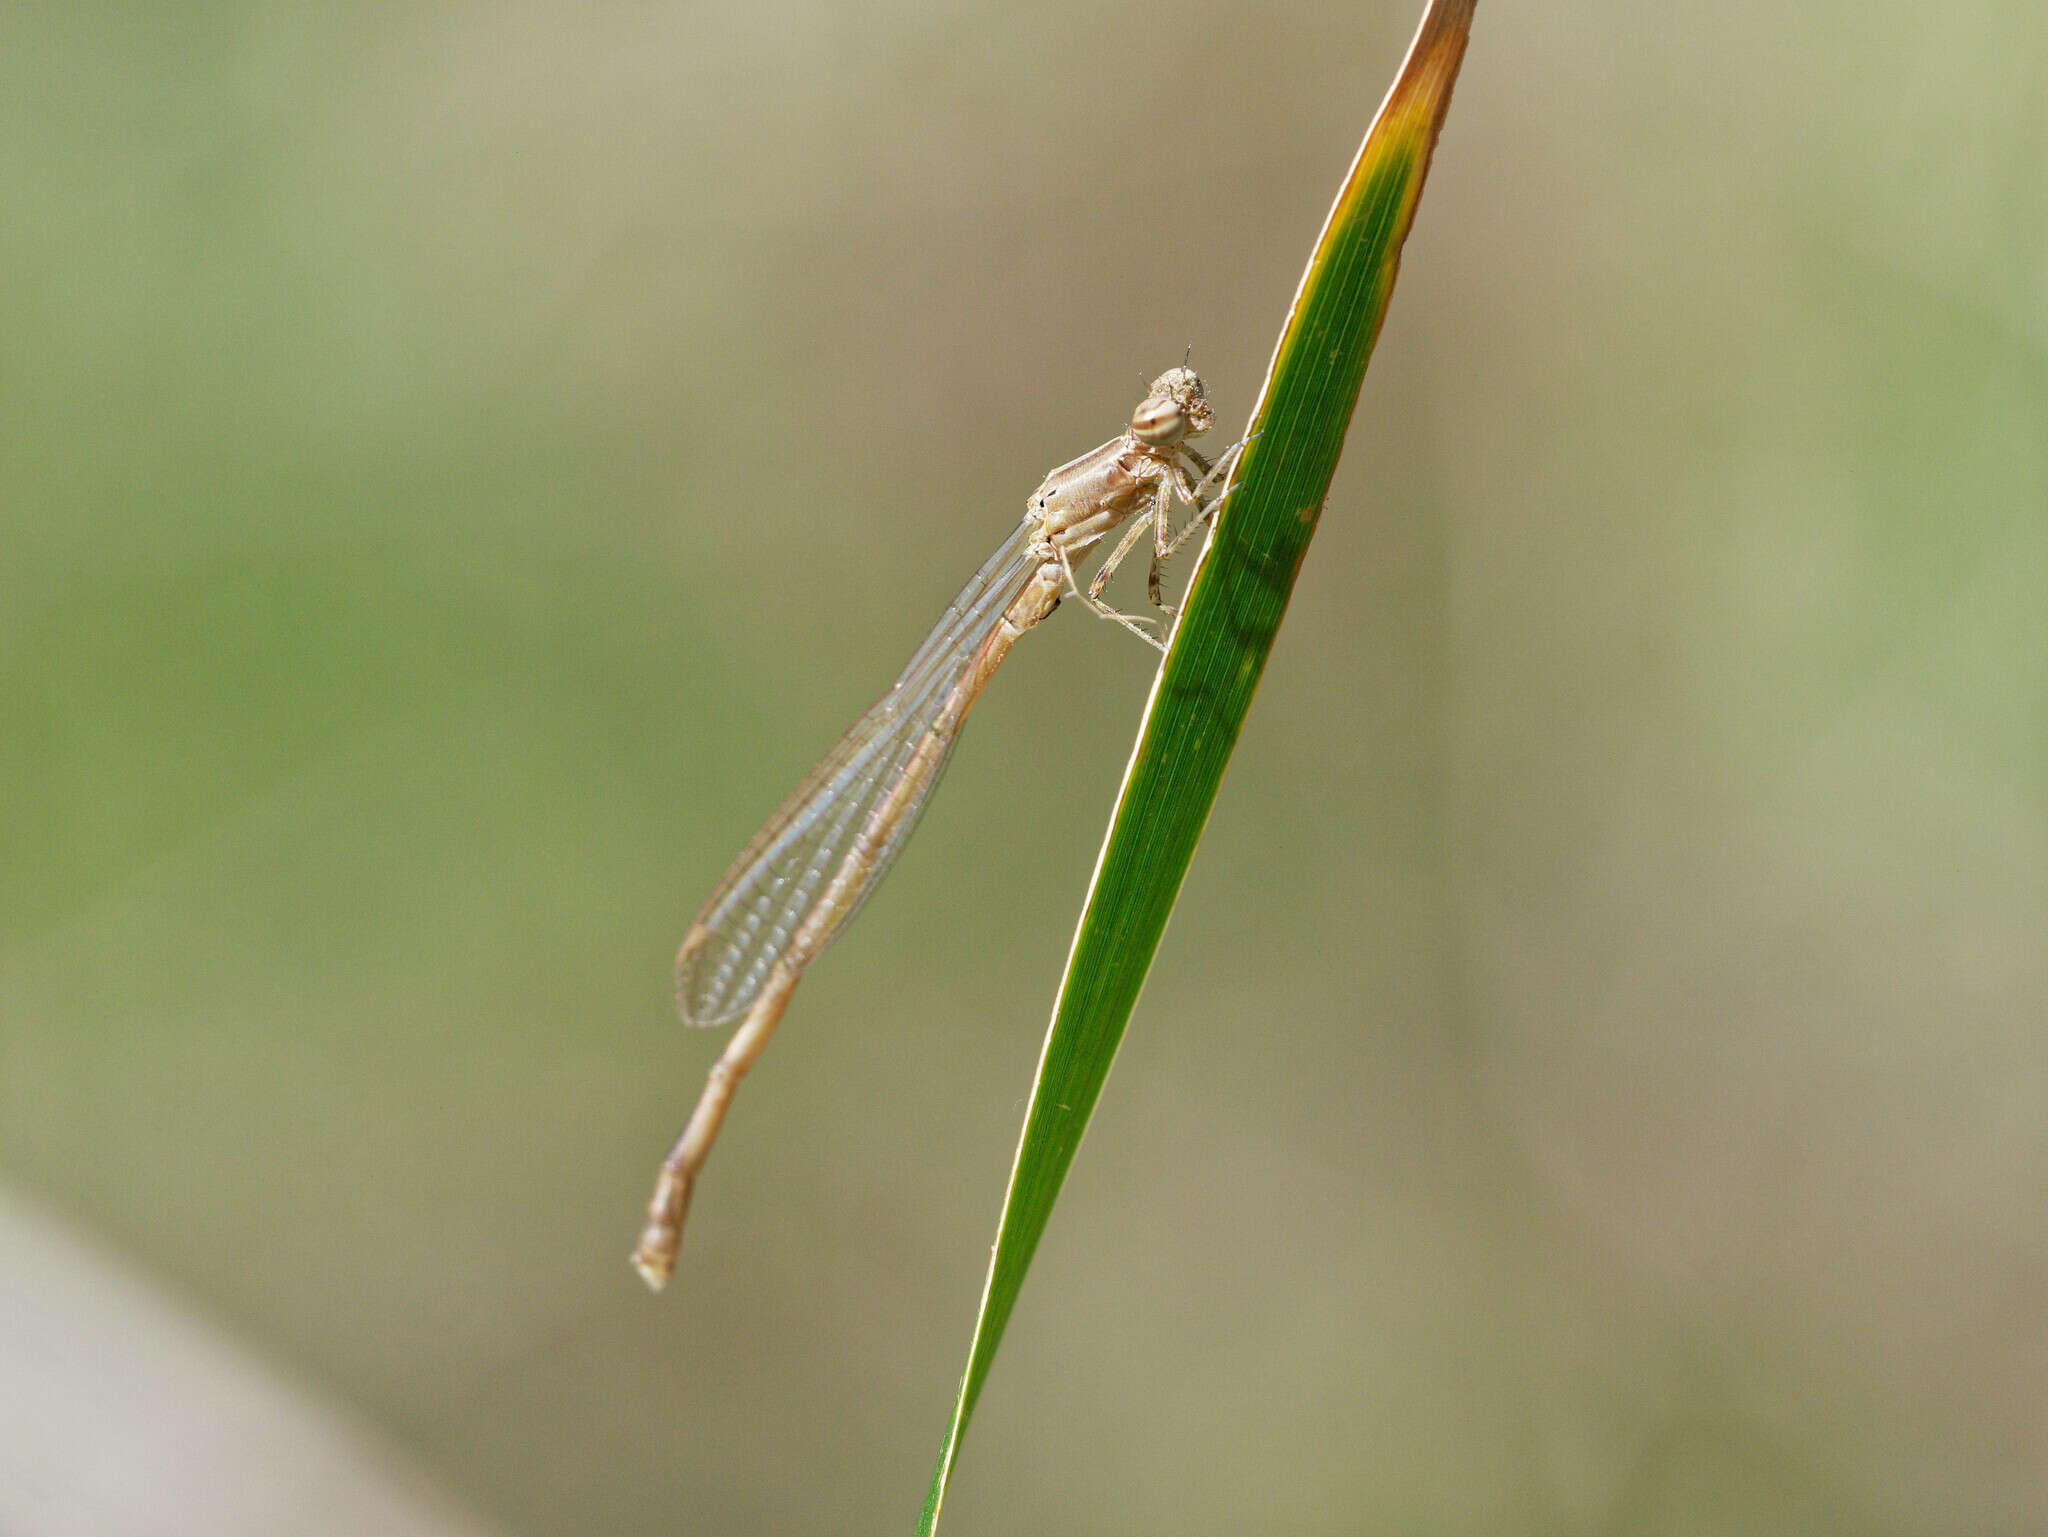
(1175, 408)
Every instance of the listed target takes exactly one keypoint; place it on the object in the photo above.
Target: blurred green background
(459, 465)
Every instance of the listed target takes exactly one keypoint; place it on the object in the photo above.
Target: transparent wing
(764, 898)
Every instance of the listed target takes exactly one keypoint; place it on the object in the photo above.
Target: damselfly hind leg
(1135, 623)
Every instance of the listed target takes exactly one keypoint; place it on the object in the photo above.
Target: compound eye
(1159, 421)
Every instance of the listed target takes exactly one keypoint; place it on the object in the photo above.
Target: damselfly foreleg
(1135, 623)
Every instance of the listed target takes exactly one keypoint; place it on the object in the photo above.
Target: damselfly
(808, 871)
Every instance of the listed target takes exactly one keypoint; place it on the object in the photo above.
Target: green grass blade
(1199, 701)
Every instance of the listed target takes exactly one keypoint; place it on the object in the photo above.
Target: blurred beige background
(460, 465)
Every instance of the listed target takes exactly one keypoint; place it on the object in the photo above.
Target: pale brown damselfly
(808, 871)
